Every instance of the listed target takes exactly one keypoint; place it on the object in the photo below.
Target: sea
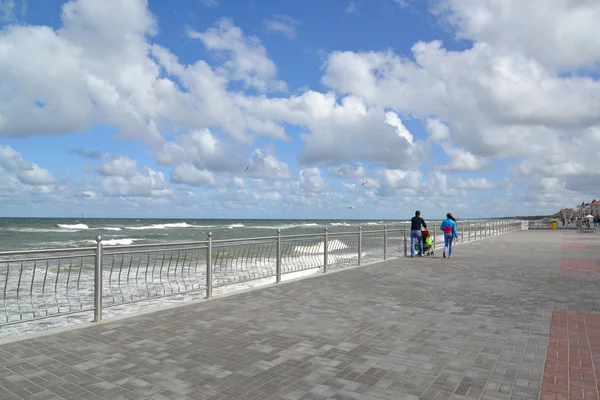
(41, 233)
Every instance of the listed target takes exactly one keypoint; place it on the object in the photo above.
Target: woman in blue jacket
(449, 228)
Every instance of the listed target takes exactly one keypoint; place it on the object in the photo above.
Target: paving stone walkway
(515, 316)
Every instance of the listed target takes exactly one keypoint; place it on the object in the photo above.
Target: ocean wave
(73, 226)
(282, 227)
(108, 228)
(235, 226)
(319, 248)
(41, 230)
(162, 226)
(372, 223)
(340, 224)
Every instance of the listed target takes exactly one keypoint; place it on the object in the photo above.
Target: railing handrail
(47, 250)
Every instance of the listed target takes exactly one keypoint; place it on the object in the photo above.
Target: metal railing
(39, 284)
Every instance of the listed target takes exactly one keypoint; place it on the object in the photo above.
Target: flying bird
(352, 185)
(247, 168)
(364, 183)
(350, 207)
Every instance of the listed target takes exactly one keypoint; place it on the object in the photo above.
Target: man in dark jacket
(416, 223)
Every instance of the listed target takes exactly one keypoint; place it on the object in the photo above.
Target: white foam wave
(319, 248)
(162, 226)
(108, 228)
(372, 223)
(282, 227)
(73, 226)
(340, 224)
(39, 230)
(235, 226)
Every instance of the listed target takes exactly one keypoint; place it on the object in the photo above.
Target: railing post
(480, 230)
(469, 231)
(385, 241)
(359, 244)
(98, 281)
(405, 243)
(325, 250)
(278, 260)
(209, 267)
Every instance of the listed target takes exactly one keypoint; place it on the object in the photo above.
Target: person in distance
(449, 228)
(416, 223)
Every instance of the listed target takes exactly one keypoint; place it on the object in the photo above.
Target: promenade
(514, 316)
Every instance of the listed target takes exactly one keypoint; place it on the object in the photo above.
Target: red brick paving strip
(579, 246)
(572, 367)
(582, 266)
(574, 246)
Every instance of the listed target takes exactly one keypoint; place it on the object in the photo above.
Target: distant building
(568, 213)
(585, 209)
(595, 207)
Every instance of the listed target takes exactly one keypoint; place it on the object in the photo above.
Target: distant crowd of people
(583, 221)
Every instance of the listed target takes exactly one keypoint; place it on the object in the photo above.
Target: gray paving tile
(474, 327)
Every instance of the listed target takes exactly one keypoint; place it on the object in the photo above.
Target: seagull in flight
(364, 183)
(350, 207)
(247, 168)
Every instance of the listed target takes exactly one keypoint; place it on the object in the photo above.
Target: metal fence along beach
(42, 284)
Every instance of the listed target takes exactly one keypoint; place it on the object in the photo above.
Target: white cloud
(348, 171)
(284, 25)
(480, 183)
(203, 149)
(189, 174)
(115, 76)
(391, 118)
(248, 61)
(145, 183)
(461, 160)
(497, 103)
(437, 130)
(310, 181)
(505, 97)
(395, 182)
(264, 165)
(341, 131)
(118, 166)
(15, 166)
(36, 176)
(558, 33)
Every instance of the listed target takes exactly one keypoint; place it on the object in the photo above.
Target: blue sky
(273, 109)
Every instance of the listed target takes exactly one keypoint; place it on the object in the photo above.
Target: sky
(298, 109)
